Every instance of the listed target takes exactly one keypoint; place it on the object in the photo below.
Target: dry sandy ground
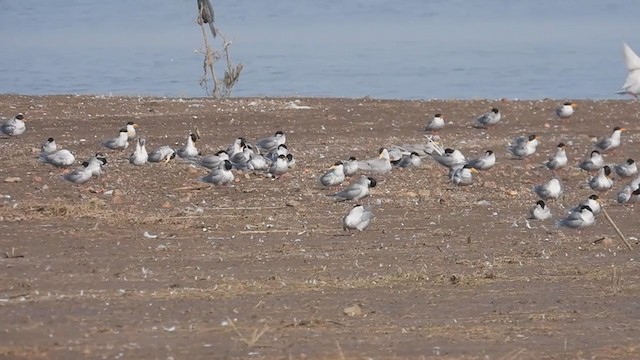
(262, 269)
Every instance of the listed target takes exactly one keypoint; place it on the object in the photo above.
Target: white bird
(236, 146)
(540, 211)
(624, 195)
(523, 147)
(270, 143)
(14, 126)
(595, 162)
(381, 164)
(566, 110)
(213, 161)
(358, 218)
(120, 142)
(437, 123)
(282, 149)
(140, 155)
(58, 158)
(611, 142)
(81, 175)
(552, 189)
(484, 162)
(358, 189)
(279, 167)
(602, 181)
(632, 83)
(581, 218)
(49, 146)
(488, 119)
(559, 160)
(450, 158)
(334, 176)
(163, 153)
(221, 175)
(628, 169)
(463, 176)
(96, 163)
(259, 163)
(411, 160)
(189, 150)
(131, 130)
(350, 166)
(592, 202)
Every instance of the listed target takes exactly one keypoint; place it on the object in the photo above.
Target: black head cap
(130, 123)
(194, 138)
(338, 163)
(607, 170)
(289, 157)
(20, 117)
(413, 153)
(173, 155)
(568, 103)
(617, 128)
(489, 152)
(50, 140)
(220, 152)
(448, 151)
(123, 130)
(595, 152)
(561, 145)
(467, 166)
(279, 132)
(243, 142)
(438, 115)
(372, 182)
(585, 207)
(495, 110)
(352, 158)
(532, 137)
(282, 157)
(85, 164)
(594, 197)
(636, 191)
(541, 203)
(630, 161)
(227, 165)
(284, 146)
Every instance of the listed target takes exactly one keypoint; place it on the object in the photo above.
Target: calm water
(350, 48)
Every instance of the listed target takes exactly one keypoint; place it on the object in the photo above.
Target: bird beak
(574, 105)
(168, 159)
(623, 129)
(474, 170)
(136, 126)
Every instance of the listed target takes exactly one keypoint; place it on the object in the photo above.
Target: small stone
(14, 179)
(292, 203)
(117, 192)
(45, 187)
(490, 184)
(354, 310)
(411, 194)
(424, 193)
(512, 192)
(116, 199)
(37, 179)
(167, 205)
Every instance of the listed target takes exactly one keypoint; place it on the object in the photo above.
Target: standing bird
(14, 126)
(139, 156)
(49, 146)
(559, 160)
(579, 219)
(436, 124)
(270, 143)
(611, 142)
(335, 175)
(566, 110)
(485, 162)
(189, 150)
(602, 181)
(540, 211)
(206, 15)
(163, 153)
(381, 164)
(350, 166)
(358, 218)
(358, 189)
(628, 169)
(488, 119)
(120, 142)
(523, 147)
(595, 162)
(632, 83)
(552, 189)
(131, 130)
(221, 175)
(463, 176)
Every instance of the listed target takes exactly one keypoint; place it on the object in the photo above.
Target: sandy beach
(147, 262)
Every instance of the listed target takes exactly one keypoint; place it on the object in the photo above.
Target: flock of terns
(271, 156)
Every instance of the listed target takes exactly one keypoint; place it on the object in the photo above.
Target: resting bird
(14, 126)
(81, 175)
(540, 211)
(437, 123)
(565, 111)
(358, 189)
(559, 160)
(381, 164)
(628, 169)
(611, 142)
(549, 190)
(523, 147)
(595, 162)
(578, 219)
(163, 153)
(485, 162)
(268, 144)
(120, 142)
(358, 218)
(335, 175)
(58, 158)
(220, 176)
(488, 119)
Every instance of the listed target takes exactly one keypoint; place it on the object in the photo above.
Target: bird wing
(631, 59)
